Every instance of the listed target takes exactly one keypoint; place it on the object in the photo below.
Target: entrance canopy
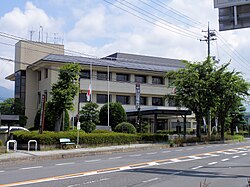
(159, 110)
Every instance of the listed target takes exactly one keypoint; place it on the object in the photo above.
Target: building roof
(129, 61)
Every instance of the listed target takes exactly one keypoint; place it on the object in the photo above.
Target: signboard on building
(234, 17)
(137, 95)
(229, 3)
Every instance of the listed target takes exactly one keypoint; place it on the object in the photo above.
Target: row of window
(46, 74)
(123, 77)
(123, 99)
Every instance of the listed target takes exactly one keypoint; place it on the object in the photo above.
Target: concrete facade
(42, 61)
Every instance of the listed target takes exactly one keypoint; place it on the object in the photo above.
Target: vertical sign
(137, 96)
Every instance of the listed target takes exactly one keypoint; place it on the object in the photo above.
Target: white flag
(237, 130)
(89, 93)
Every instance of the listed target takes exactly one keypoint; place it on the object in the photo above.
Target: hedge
(154, 137)
(52, 138)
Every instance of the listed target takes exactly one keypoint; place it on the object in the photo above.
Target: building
(116, 75)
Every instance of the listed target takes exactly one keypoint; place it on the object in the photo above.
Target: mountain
(5, 93)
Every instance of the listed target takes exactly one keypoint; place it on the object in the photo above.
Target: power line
(163, 26)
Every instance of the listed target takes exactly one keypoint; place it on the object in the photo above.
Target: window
(82, 98)
(157, 101)
(39, 98)
(46, 73)
(39, 75)
(157, 80)
(101, 75)
(122, 77)
(123, 99)
(174, 124)
(140, 79)
(103, 98)
(85, 74)
(143, 100)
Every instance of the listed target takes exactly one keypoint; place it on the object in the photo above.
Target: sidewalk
(22, 155)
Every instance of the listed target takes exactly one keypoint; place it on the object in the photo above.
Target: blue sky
(167, 28)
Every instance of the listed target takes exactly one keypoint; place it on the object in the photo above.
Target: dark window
(39, 75)
(39, 98)
(85, 74)
(171, 102)
(174, 124)
(157, 80)
(140, 79)
(157, 101)
(102, 75)
(103, 98)
(46, 73)
(122, 77)
(20, 85)
(82, 97)
(125, 100)
(143, 100)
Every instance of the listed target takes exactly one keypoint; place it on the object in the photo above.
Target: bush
(100, 131)
(1, 143)
(125, 127)
(52, 138)
(88, 126)
(117, 114)
(154, 137)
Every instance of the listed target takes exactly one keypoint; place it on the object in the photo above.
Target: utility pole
(210, 37)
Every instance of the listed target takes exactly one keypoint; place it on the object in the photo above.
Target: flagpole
(108, 94)
(91, 97)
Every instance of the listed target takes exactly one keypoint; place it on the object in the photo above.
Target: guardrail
(30, 141)
(8, 144)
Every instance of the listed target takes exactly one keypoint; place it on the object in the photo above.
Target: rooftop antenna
(41, 28)
(31, 34)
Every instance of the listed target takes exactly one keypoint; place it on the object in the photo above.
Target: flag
(89, 93)
(237, 130)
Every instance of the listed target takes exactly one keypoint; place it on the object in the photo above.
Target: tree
(203, 86)
(64, 91)
(117, 114)
(13, 106)
(90, 113)
(193, 84)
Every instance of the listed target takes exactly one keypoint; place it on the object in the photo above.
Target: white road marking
(224, 160)
(200, 147)
(176, 173)
(113, 158)
(166, 151)
(67, 163)
(189, 149)
(2, 171)
(195, 157)
(212, 163)
(175, 160)
(244, 154)
(93, 160)
(135, 155)
(125, 168)
(152, 163)
(179, 150)
(150, 180)
(209, 154)
(235, 156)
(34, 167)
(197, 167)
(153, 153)
(89, 182)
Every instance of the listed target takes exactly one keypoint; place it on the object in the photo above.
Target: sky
(97, 28)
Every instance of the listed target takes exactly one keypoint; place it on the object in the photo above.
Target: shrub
(117, 114)
(100, 131)
(88, 126)
(154, 137)
(1, 143)
(125, 127)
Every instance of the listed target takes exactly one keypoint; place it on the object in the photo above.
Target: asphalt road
(210, 165)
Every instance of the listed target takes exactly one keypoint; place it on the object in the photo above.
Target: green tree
(193, 84)
(13, 106)
(64, 91)
(117, 114)
(90, 113)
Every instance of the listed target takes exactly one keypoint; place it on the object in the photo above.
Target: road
(212, 165)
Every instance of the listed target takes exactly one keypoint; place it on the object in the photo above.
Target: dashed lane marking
(114, 158)
(212, 163)
(153, 153)
(67, 163)
(2, 171)
(93, 160)
(244, 154)
(197, 167)
(166, 151)
(34, 167)
(150, 180)
(224, 160)
(235, 156)
(134, 155)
